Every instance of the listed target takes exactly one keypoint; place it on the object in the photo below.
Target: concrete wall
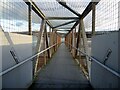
(100, 77)
(21, 77)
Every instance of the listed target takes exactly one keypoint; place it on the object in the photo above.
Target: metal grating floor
(61, 72)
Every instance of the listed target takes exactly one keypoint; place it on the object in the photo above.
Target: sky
(14, 15)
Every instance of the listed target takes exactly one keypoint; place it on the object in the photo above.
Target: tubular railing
(26, 60)
(91, 58)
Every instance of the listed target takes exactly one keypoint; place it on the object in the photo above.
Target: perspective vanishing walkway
(61, 72)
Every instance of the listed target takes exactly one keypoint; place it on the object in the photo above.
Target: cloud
(14, 11)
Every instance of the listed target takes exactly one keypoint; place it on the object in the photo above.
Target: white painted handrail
(96, 61)
(26, 60)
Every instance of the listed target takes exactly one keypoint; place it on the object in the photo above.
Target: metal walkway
(61, 72)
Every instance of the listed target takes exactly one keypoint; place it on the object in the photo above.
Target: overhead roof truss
(76, 19)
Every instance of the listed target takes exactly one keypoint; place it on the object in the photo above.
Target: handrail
(95, 60)
(26, 60)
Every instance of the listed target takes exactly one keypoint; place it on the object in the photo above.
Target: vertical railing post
(39, 43)
(85, 43)
(55, 41)
(51, 41)
(68, 40)
(46, 37)
(71, 39)
(93, 18)
(29, 19)
(74, 41)
(65, 40)
(78, 40)
(44, 40)
(79, 45)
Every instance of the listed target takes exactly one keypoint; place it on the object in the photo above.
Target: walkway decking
(61, 72)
